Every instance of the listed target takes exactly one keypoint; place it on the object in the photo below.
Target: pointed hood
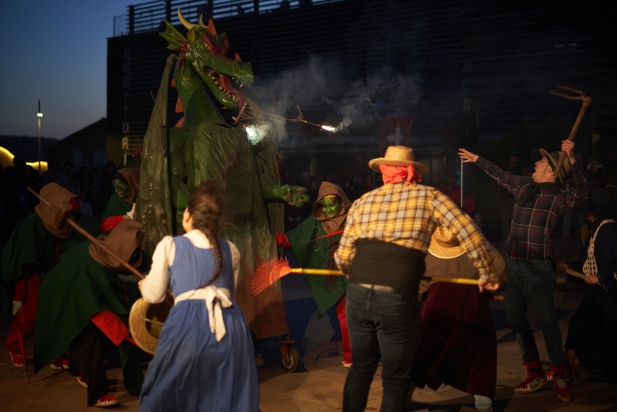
(131, 175)
(123, 240)
(60, 198)
(331, 225)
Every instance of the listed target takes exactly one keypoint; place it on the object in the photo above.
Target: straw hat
(444, 244)
(146, 322)
(397, 156)
(553, 159)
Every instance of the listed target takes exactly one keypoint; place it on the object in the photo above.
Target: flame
(250, 131)
(328, 128)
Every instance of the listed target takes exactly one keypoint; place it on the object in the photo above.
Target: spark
(250, 131)
(328, 128)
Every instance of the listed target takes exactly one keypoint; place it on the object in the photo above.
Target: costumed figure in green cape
(313, 248)
(82, 310)
(34, 248)
(202, 147)
(121, 204)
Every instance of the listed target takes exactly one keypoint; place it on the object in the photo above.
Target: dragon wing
(154, 199)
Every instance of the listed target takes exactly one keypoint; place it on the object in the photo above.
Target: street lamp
(39, 115)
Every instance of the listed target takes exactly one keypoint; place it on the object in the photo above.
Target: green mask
(331, 206)
(122, 189)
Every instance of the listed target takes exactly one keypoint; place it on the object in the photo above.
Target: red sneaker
(347, 364)
(105, 401)
(535, 380)
(60, 363)
(562, 386)
(82, 382)
(17, 360)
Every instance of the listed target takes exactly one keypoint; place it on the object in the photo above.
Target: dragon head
(205, 50)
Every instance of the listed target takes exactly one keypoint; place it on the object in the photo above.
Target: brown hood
(131, 174)
(59, 197)
(123, 240)
(331, 225)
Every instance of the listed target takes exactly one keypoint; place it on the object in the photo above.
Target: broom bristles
(268, 273)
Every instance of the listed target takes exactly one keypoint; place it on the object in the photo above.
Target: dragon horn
(184, 21)
(201, 21)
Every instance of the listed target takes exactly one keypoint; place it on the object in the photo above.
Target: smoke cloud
(319, 83)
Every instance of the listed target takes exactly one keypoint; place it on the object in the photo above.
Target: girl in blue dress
(204, 359)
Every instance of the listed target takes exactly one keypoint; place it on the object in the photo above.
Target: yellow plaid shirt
(407, 216)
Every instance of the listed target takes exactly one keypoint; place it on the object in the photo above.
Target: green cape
(75, 290)
(315, 255)
(30, 242)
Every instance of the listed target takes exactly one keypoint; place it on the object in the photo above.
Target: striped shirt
(407, 216)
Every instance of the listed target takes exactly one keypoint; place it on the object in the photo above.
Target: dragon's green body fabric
(203, 146)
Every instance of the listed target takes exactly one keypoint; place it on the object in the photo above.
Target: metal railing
(146, 17)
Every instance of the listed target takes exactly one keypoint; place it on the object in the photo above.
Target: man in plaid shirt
(540, 202)
(382, 251)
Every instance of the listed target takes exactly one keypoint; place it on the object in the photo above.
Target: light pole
(39, 115)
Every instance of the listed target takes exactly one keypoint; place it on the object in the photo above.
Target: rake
(272, 271)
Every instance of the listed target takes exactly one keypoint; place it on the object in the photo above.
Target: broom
(270, 272)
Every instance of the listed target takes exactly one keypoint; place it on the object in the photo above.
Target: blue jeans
(532, 280)
(386, 322)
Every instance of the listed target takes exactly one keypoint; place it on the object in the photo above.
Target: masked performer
(204, 359)
(592, 330)
(34, 248)
(121, 204)
(329, 214)
(82, 310)
(457, 344)
(540, 201)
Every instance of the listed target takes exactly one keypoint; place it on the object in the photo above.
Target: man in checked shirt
(539, 202)
(382, 252)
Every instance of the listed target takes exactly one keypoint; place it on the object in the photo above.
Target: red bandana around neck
(396, 174)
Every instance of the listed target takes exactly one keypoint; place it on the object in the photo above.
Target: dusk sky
(55, 51)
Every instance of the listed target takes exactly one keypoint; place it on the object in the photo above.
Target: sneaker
(17, 360)
(570, 374)
(82, 382)
(562, 386)
(60, 363)
(346, 364)
(536, 378)
(105, 401)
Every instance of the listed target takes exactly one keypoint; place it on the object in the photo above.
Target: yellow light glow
(39, 114)
(6, 160)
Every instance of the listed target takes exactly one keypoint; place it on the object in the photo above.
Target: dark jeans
(533, 281)
(386, 322)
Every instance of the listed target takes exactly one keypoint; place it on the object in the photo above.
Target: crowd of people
(386, 235)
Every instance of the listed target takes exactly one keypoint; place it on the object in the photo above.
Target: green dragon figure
(203, 146)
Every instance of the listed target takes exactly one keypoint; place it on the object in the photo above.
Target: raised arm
(579, 182)
(510, 182)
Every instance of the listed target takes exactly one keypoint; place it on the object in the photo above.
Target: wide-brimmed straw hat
(146, 322)
(444, 244)
(398, 156)
(553, 159)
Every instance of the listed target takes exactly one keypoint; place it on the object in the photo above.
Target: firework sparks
(328, 128)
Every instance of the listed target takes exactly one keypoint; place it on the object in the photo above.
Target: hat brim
(551, 159)
(374, 164)
(145, 333)
(444, 252)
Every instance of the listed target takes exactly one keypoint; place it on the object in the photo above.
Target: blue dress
(191, 370)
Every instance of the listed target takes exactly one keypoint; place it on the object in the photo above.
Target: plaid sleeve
(448, 215)
(578, 192)
(510, 182)
(347, 245)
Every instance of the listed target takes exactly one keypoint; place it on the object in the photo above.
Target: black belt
(388, 289)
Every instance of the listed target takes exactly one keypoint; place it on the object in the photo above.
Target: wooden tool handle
(575, 274)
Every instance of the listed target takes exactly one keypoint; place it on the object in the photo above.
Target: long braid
(205, 206)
